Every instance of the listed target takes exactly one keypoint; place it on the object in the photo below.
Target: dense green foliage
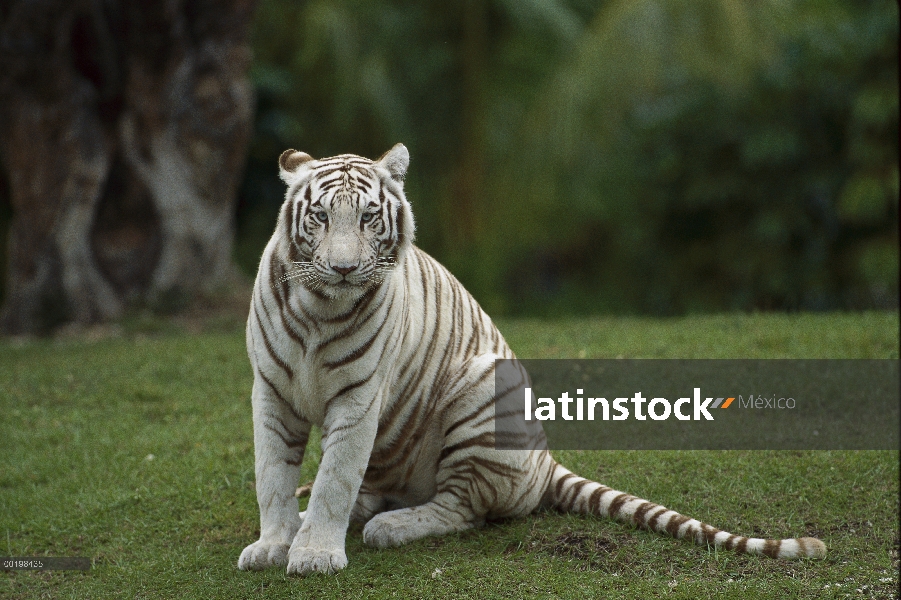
(620, 156)
(138, 453)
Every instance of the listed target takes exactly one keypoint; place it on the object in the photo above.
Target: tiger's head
(346, 219)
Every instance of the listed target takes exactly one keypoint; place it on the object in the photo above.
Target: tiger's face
(346, 218)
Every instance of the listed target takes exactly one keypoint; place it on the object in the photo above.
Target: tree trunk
(125, 126)
(470, 175)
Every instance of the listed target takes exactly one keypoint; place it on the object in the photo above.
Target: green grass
(81, 420)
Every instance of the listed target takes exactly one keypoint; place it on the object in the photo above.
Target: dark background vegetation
(619, 156)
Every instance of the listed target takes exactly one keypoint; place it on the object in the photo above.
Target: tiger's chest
(330, 357)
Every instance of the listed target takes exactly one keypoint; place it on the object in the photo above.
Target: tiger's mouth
(307, 275)
(343, 280)
(344, 284)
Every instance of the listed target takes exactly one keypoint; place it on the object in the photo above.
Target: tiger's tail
(570, 493)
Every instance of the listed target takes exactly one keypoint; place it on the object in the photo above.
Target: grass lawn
(137, 451)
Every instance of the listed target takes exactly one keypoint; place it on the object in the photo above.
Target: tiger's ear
(289, 161)
(395, 161)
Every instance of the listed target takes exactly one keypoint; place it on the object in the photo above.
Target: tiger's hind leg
(368, 505)
(444, 514)
(474, 480)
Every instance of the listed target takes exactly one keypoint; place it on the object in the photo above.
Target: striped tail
(570, 493)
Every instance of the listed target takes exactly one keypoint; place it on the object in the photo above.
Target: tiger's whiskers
(305, 273)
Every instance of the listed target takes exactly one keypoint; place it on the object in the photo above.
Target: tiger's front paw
(303, 560)
(260, 555)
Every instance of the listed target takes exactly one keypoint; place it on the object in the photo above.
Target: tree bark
(125, 127)
(470, 175)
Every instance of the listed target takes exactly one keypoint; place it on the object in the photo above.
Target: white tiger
(356, 330)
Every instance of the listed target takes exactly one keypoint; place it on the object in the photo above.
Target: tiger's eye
(367, 217)
(322, 216)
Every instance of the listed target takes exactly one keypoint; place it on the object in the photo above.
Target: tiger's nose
(345, 270)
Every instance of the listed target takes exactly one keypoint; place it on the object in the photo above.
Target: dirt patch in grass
(582, 546)
(591, 551)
